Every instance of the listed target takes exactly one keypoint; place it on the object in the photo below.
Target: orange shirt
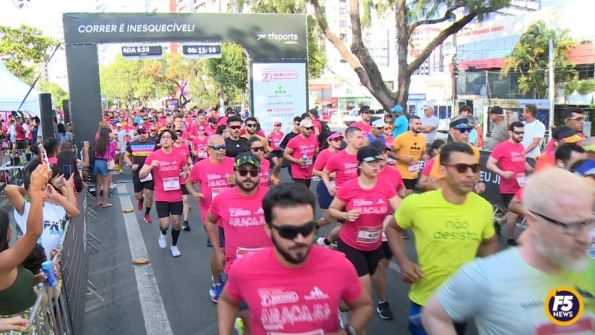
(544, 161)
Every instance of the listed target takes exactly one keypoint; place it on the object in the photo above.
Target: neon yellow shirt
(446, 236)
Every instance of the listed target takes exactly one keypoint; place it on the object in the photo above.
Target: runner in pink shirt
(301, 151)
(199, 145)
(365, 204)
(424, 178)
(344, 164)
(323, 196)
(168, 167)
(256, 147)
(239, 211)
(293, 277)
(366, 123)
(184, 149)
(275, 138)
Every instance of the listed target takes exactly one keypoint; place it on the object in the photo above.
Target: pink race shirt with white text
(323, 158)
(242, 219)
(365, 128)
(301, 146)
(365, 233)
(200, 146)
(344, 166)
(167, 175)
(510, 157)
(280, 304)
(265, 170)
(275, 140)
(212, 179)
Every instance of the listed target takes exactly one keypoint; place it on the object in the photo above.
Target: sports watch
(350, 330)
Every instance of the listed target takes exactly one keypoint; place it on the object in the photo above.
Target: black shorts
(305, 182)
(164, 209)
(184, 189)
(324, 198)
(221, 238)
(506, 199)
(21, 145)
(276, 153)
(365, 262)
(410, 183)
(139, 186)
(388, 254)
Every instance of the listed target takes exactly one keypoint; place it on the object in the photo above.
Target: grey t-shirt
(498, 135)
(430, 121)
(505, 295)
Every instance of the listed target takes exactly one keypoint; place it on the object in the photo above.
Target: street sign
(142, 52)
(202, 50)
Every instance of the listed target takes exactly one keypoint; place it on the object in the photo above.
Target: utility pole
(455, 74)
(552, 86)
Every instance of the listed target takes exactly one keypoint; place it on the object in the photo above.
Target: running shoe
(220, 278)
(148, 218)
(140, 205)
(239, 326)
(215, 292)
(497, 227)
(320, 242)
(511, 243)
(384, 311)
(162, 241)
(185, 226)
(175, 251)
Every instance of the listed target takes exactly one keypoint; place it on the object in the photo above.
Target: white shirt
(54, 217)
(430, 121)
(533, 130)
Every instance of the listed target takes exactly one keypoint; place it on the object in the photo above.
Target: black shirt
(286, 139)
(139, 151)
(233, 148)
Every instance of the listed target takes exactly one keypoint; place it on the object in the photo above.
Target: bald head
(215, 140)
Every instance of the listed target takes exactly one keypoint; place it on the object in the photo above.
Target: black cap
(460, 122)
(497, 110)
(368, 154)
(379, 145)
(212, 120)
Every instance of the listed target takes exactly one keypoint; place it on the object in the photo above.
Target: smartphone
(67, 171)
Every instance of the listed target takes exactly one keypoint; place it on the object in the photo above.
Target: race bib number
(171, 184)
(413, 167)
(584, 326)
(216, 190)
(241, 252)
(368, 234)
(520, 178)
(149, 177)
(314, 332)
(201, 154)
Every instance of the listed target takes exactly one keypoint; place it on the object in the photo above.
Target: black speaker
(47, 115)
(66, 108)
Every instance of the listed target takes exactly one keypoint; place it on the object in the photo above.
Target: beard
(245, 186)
(558, 256)
(299, 258)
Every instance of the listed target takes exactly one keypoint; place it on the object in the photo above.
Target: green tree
(122, 80)
(530, 57)
(229, 71)
(58, 94)
(23, 48)
(316, 52)
(409, 15)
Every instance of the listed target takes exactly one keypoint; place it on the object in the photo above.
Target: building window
(342, 10)
(343, 24)
(343, 37)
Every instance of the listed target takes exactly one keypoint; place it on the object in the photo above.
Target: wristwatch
(350, 330)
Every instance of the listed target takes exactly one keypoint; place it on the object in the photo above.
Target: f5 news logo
(564, 306)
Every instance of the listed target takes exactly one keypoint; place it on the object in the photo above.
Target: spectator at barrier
(16, 324)
(534, 131)
(104, 154)
(56, 208)
(62, 136)
(560, 135)
(16, 283)
(425, 173)
(499, 132)
(430, 124)
(68, 158)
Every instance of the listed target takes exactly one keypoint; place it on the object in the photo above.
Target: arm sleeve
(284, 142)
(434, 122)
(343, 193)
(539, 130)
(320, 162)
(214, 209)
(497, 153)
(330, 165)
(128, 148)
(459, 295)
(194, 175)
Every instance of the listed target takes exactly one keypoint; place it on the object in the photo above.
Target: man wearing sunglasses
(551, 274)
(136, 154)
(234, 143)
(574, 118)
(301, 151)
(294, 276)
(366, 122)
(213, 176)
(251, 127)
(508, 161)
(239, 212)
(452, 226)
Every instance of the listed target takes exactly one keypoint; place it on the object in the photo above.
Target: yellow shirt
(446, 236)
(434, 172)
(408, 144)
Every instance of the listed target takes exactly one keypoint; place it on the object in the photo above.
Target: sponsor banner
(279, 93)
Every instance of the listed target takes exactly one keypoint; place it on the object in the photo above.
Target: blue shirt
(401, 126)
(379, 139)
(473, 137)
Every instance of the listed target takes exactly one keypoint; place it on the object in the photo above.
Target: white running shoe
(320, 242)
(174, 251)
(162, 241)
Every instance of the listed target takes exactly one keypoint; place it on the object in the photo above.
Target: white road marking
(394, 266)
(156, 321)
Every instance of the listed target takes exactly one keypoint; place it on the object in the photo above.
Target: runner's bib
(314, 332)
(413, 167)
(520, 179)
(171, 184)
(201, 154)
(241, 252)
(368, 234)
(148, 177)
(584, 326)
(216, 190)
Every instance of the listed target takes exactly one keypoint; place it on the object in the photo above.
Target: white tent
(13, 91)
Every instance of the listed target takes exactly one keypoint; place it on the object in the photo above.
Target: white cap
(378, 123)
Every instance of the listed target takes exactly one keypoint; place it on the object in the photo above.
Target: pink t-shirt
(365, 232)
(200, 146)
(316, 124)
(365, 128)
(428, 167)
(53, 160)
(344, 166)
(281, 304)
(166, 176)
(275, 139)
(242, 219)
(185, 151)
(388, 141)
(393, 176)
(303, 148)
(510, 157)
(212, 179)
(322, 159)
(265, 168)
(210, 131)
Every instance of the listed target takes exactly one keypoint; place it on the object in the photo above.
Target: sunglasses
(579, 118)
(291, 232)
(244, 172)
(217, 147)
(519, 132)
(153, 130)
(166, 137)
(380, 128)
(235, 127)
(251, 125)
(277, 125)
(257, 149)
(309, 128)
(387, 128)
(145, 119)
(141, 132)
(462, 168)
(336, 139)
(464, 130)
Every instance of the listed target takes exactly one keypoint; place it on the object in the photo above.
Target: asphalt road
(174, 291)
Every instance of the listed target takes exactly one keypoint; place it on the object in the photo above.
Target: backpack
(325, 131)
